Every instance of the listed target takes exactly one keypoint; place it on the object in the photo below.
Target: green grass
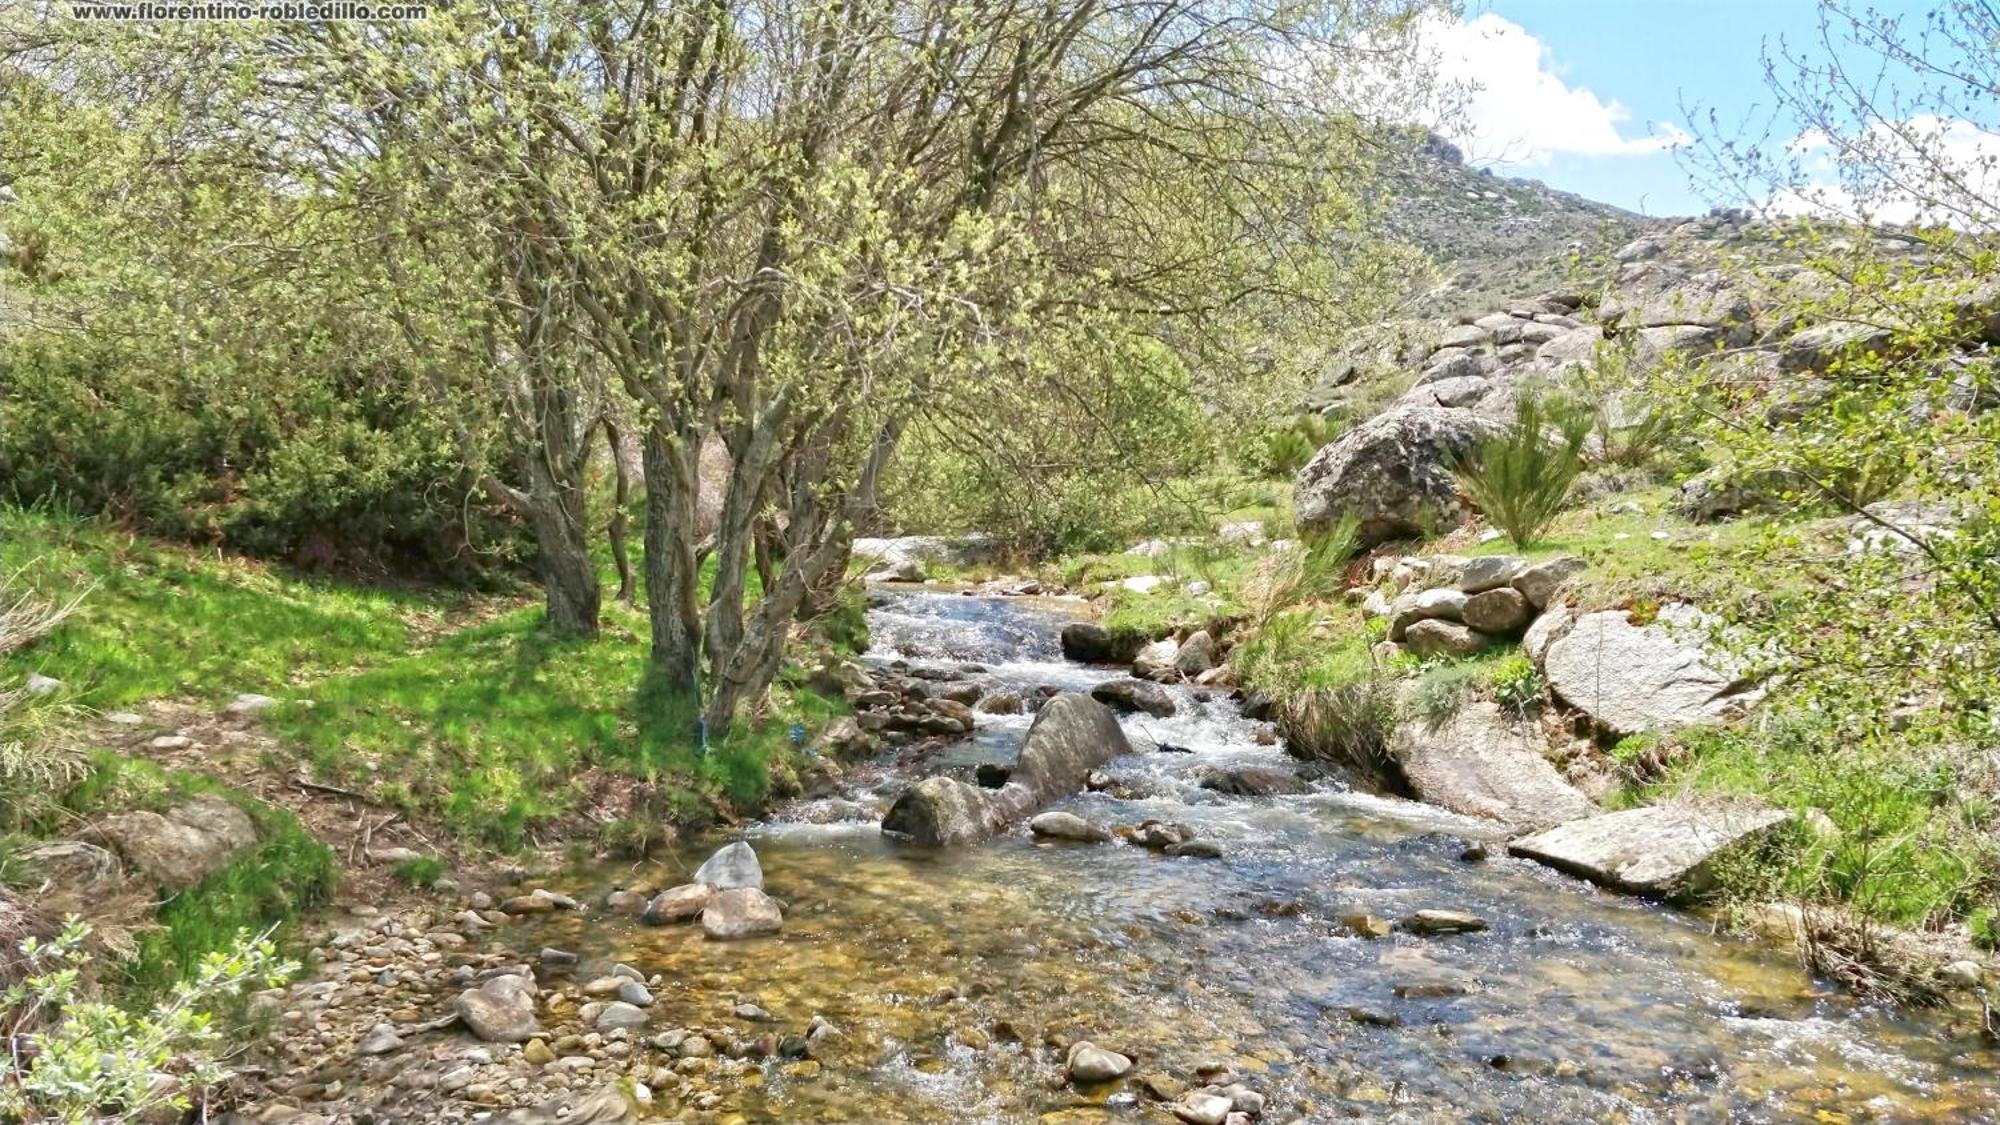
(1914, 840)
(421, 872)
(166, 621)
(490, 728)
(267, 886)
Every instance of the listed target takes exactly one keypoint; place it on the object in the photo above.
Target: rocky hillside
(1494, 236)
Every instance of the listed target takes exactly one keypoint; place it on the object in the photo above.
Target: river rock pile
(1446, 605)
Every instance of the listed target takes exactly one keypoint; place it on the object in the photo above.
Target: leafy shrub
(92, 1061)
(1443, 690)
(1517, 686)
(316, 465)
(1521, 478)
(1628, 426)
(1316, 571)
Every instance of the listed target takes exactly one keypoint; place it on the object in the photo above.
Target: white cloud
(1517, 109)
(1924, 168)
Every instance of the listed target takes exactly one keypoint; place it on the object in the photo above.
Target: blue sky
(1586, 94)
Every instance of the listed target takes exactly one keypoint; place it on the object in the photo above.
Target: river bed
(952, 972)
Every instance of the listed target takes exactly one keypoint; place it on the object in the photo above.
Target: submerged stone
(1072, 735)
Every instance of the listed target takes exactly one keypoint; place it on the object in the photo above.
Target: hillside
(1494, 237)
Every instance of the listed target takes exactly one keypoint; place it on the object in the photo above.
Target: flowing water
(950, 971)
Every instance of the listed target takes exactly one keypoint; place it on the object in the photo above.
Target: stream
(949, 971)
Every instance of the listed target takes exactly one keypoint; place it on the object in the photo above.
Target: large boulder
(1666, 851)
(1816, 348)
(182, 846)
(740, 913)
(733, 866)
(1072, 735)
(502, 1010)
(1087, 642)
(1392, 474)
(1629, 678)
(1708, 299)
(1480, 763)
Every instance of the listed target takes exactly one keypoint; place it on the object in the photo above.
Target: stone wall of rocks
(1449, 605)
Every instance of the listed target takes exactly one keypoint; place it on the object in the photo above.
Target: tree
(799, 228)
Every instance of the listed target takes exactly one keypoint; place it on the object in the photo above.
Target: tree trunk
(620, 500)
(672, 489)
(562, 549)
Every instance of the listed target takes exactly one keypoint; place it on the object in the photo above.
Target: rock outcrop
(1481, 764)
(1629, 678)
(182, 846)
(1665, 851)
(1072, 735)
(1391, 474)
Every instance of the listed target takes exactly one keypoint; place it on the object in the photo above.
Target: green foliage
(1629, 426)
(162, 621)
(297, 459)
(1284, 447)
(1334, 704)
(422, 872)
(1913, 840)
(497, 729)
(1521, 479)
(1443, 689)
(1316, 571)
(1516, 684)
(91, 1060)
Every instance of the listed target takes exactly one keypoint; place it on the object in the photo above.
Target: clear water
(948, 971)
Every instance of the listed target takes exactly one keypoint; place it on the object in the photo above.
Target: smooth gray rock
(679, 904)
(1443, 604)
(1539, 583)
(502, 1010)
(1498, 612)
(1089, 1063)
(1072, 735)
(619, 1014)
(1392, 474)
(1434, 637)
(1666, 851)
(68, 866)
(1463, 336)
(1135, 695)
(1067, 826)
(1481, 763)
(1456, 392)
(1630, 678)
(1197, 654)
(1443, 922)
(739, 913)
(1156, 661)
(1576, 346)
(1448, 364)
(732, 867)
(1489, 572)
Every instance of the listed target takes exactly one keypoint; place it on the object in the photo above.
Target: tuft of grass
(422, 872)
(1912, 840)
(1521, 478)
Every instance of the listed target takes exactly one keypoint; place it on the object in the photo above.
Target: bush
(1521, 478)
(91, 1061)
(1349, 722)
(322, 467)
